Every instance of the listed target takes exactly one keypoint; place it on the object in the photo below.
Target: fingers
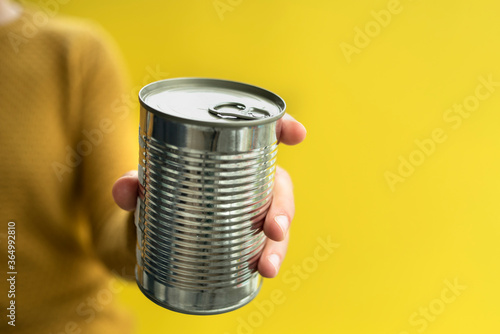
(277, 225)
(289, 131)
(272, 257)
(282, 209)
(125, 191)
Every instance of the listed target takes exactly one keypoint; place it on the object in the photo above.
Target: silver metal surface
(206, 183)
(188, 100)
(238, 110)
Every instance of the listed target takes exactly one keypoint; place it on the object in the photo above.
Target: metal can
(207, 160)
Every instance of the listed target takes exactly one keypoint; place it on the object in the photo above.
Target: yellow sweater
(66, 135)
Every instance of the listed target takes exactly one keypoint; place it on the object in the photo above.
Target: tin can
(207, 160)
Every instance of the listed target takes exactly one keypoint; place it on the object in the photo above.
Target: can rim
(223, 83)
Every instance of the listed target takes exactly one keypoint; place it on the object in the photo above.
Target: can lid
(212, 102)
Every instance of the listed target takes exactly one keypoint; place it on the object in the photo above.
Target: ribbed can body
(205, 191)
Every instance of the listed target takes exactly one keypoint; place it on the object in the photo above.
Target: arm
(107, 125)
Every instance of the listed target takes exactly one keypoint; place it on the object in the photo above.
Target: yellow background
(396, 248)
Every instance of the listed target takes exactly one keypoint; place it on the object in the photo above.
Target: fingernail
(283, 223)
(275, 261)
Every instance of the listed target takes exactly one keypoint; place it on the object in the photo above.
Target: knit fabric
(66, 135)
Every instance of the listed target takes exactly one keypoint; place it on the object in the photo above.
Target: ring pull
(238, 110)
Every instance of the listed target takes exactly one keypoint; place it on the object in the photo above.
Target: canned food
(208, 152)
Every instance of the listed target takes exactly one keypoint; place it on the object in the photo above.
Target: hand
(279, 216)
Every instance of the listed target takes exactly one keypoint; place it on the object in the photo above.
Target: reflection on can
(208, 152)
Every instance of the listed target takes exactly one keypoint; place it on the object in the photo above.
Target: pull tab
(238, 110)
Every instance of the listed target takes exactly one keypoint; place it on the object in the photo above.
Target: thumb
(125, 190)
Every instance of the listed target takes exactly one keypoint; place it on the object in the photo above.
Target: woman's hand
(279, 216)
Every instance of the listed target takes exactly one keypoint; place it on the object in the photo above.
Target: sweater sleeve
(108, 145)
